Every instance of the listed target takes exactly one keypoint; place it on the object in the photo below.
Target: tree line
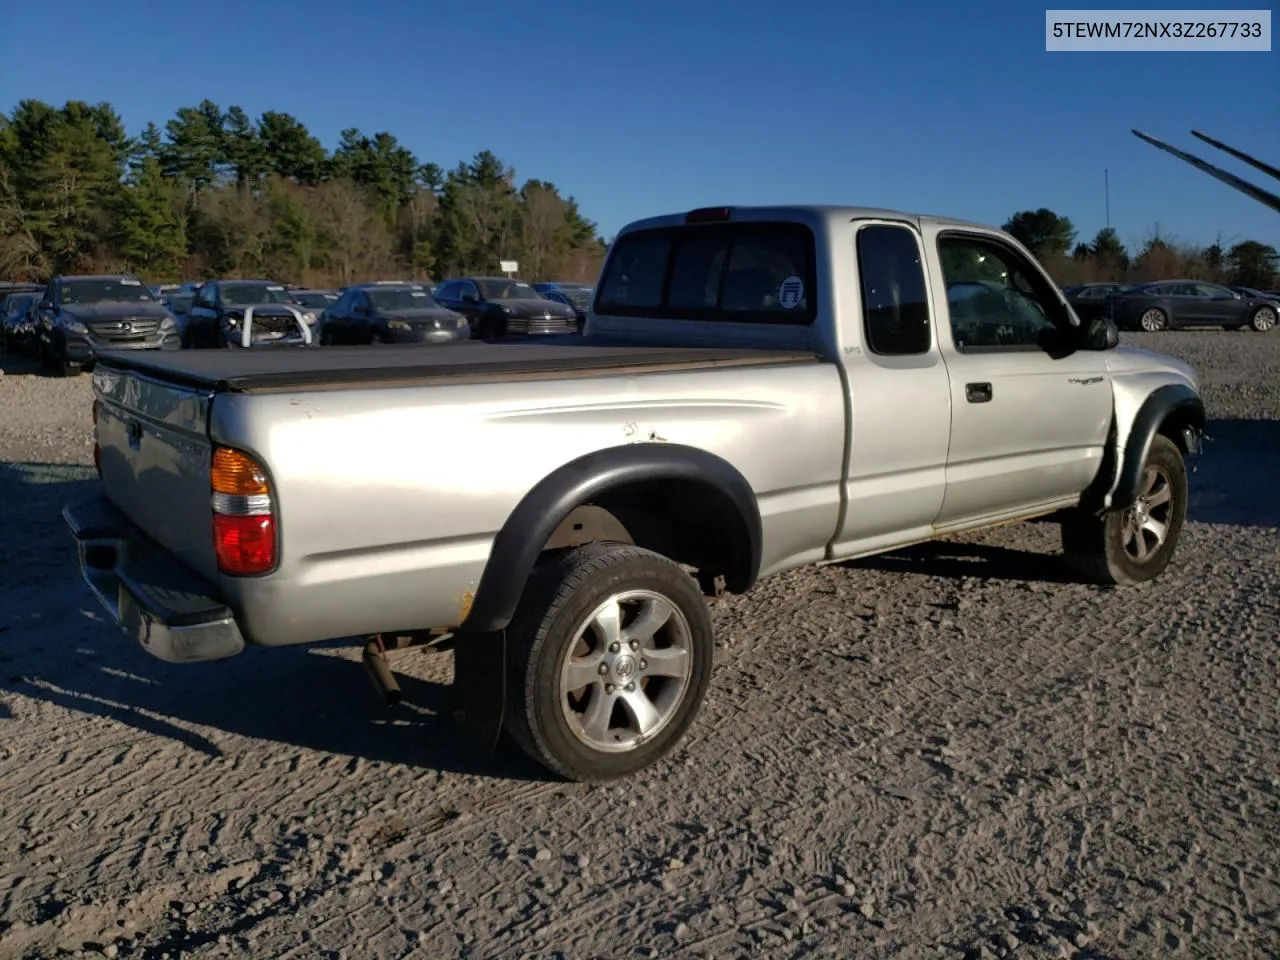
(1053, 238)
(217, 193)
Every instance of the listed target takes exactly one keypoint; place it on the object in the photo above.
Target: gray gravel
(953, 751)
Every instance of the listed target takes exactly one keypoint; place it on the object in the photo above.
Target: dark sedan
(498, 307)
(1089, 300)
(1174, 304)
(77, 316)
(379, 313)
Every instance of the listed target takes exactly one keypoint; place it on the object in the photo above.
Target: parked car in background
(377, 313)
(218, 312)
(313, 303)
(1173, 304)
(1089, 300)
(1272, 296)
(497, 307)
(16, 312)
(575, 295)
(18, 286)
(179, 304)
(79, 315)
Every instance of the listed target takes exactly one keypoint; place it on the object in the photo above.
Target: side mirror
(44, 305)
(1099, 334)
(470, 296)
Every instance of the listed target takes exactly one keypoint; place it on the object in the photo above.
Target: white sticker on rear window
(416, 293)
(275, 289)
(790, 293)
(131, 283)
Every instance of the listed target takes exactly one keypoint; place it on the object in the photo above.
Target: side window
(447, 291)
(994, 297)
(467, 287)
(50, 292)
(1212, 292)
(895, 305)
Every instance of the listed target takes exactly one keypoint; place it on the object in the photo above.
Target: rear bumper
(175, 615)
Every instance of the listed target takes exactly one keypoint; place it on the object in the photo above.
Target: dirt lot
(950, 752)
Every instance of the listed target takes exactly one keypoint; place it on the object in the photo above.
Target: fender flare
(540, 512)
(1173, 399)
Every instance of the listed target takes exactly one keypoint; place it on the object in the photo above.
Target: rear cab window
(745, 272)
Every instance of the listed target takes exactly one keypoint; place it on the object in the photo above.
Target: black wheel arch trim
(540, 512)
(1174, 399)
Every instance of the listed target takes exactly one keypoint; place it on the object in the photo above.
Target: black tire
(1097, 547)
(1263, 319)
(563, 592)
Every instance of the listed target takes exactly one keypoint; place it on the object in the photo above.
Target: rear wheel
(1263, 319)
(1134, 545)
(1153, 320)
(610, 660)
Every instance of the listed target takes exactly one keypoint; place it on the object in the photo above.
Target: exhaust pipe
(379, 670)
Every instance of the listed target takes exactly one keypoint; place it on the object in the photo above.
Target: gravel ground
(953, 751)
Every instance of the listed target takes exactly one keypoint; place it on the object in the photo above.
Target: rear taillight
(244, 526)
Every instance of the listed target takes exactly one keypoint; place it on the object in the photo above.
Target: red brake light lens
(707, 215)
(244, 545)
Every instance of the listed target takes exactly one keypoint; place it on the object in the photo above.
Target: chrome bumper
(173, 613)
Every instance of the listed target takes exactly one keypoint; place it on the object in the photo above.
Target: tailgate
(154, 442)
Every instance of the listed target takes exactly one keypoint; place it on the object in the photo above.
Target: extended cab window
(995, 299)
(895, 306)
(747, 272)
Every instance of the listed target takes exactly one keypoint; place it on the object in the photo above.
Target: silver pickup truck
(757, 389)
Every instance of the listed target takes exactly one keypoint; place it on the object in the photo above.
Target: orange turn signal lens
(238, 474)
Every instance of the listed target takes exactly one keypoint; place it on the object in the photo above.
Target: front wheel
(1133, 546)
(1263, 319)
(610, 661)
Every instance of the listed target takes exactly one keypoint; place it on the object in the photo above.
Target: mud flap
(480, 687)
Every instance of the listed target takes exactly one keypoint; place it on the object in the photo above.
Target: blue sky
(644, 108)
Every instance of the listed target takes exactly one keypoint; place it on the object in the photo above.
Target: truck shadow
(57, 647)
(1239, 464)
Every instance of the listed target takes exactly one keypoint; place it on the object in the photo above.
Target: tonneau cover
(244, 371)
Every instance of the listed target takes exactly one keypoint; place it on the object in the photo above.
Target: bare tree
(543, 228)
(359, 244)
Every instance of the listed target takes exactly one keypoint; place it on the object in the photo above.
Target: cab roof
(812, 214)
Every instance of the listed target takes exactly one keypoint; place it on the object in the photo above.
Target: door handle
(977, 392)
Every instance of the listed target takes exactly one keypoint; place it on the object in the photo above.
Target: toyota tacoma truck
(757, 389)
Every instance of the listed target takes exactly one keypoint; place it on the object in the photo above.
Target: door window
(995, 298)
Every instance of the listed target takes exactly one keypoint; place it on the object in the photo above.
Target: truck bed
(257, 371)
